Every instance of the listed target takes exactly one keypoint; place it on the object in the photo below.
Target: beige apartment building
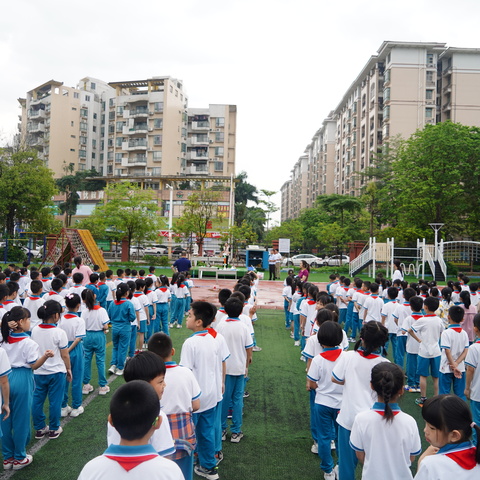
(406, 86)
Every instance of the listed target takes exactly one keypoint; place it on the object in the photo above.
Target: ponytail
(48, 310)
(447, 294)
(89, 298)
(122, 289)
(164, 280)
(180, 280)
(387, 381)
(72, 300)
(77, 261)
(373, 337)
(14, 315)
(466, 299)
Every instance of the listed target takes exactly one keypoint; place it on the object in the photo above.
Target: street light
(436, 227)
(170, 220)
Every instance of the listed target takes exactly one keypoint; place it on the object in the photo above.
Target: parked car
(178, 249)
(294, 261)
(156, 250)
(336, 260)
(137, 251)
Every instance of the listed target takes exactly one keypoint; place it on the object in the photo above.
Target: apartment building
(286, 192)
(406, 86)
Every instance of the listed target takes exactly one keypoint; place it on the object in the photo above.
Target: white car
(137, 251)
(294, 261)
(156, 250)
(336, 260)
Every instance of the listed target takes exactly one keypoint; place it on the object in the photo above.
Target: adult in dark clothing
(182, 264)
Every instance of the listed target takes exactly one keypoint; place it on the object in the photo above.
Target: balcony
(139, 160)
(202, 126)
(140, 144)
(197, 155)
(201, 169)
(35, 127)
(447, 88)
(139, 112)
(136, 129)
(195, 141)
(447, 106)
(36, 114)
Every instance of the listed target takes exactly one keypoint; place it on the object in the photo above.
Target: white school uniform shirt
(293, 306)
(32, 303)
(9, 304)
(238, 339)
(181, 389)
(219, 316)
(50, 337)
(474, 298)
(23, 352)
(313, 347)
(287, 293)
(456, 297)
(23, 284)
(152, 296)
(473, 360)
(402, 312)
(332, 288)
(5, 368)
(387, 445)
(95, 319)
(355, 370)
(144, 303)
(46, 284)
(153, 277)
(309, 311)
(51, 295)
(429, 329)
(441, 466)
(361, 301)
(341, 292)
(161, 440)
(112, 287)
(222, 354)
(327, 393)
(412, 346)
(388, 310)
(356, 295)
(108, 467)
(455, 339)
(181, 291)
(373, 306)
(73, 325)
(163, 294)
(200, 353)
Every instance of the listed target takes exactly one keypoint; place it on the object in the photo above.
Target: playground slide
(92, 249)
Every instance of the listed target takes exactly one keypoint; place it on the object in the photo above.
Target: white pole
(170, 221)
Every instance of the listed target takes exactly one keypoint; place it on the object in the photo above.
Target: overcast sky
(284, 63)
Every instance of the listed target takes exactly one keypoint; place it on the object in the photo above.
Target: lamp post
(436, 227)
(170, 221)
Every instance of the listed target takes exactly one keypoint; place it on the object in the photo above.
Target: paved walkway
(269, 294)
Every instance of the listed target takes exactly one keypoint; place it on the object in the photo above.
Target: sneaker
(329, 476)
(103, 390)
(179, 326)
(87, 388)
(173, 324)
(417, 389)
(219, 457)
(118, 371)
(302, 358)
(352, 340)
(41, 433)
(332, 445)
(66, 411)
(335, 471)
(236, 437)
(210, 474)
(246, 394)
(19, 464)
(52, 434)
(420, 401)
(256, 348)
(8, 463)
(291, 335)
(77, 411)
(224, 435)
(297, 343)
(112, 368)
(314, 448)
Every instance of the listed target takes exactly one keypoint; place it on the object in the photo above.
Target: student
(46, 279)
(373, 305)
(295, 313)
(190, 285)
(150, 368)
(353, 320)
(103, 290)
(427, 332)
(388, 310)
(120, 276)
(74, 327)
(181, 294)
(24, 357)
(154, 325)
(353, 370)
(472, 387)
(133, 456)
(341, 296)
(385, 439)
(470, 312)
(122, 314)
(223, 295)
(180, 399)
(240, 344)
(33, 302)
(151, 274)
(85, 270)
(163, 295)
(77, 286)
(412, 347)
(287, 294)
(445, 304)
(144, 312)
(93, 284)
(454, 344)
(308, 310)
(50, 377)
(403, 311)
(9, 302)
(328, 395)
(333, 284)
(96, 325)
(200, 353)
(448, 429)
(359, 305)
(55, 292)
(112, 287)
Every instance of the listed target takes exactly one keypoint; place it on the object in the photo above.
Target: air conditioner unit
(150, 113)
(150, 129)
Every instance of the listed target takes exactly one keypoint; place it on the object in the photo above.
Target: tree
(27, 188)
(270, 207)
(71, 183)
(239, 236)
(128, 212)
(292, 229)
(336, 204)
(255, 217)
(198, 212)
(244, 193)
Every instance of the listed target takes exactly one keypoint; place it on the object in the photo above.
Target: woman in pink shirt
(304, 271)
(84, 269)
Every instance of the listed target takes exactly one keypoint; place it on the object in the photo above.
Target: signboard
(284, 245)
(164, 233)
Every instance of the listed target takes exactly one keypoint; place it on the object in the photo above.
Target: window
(429, 94)
(219, 151)
(103, 119)
(218, 165)
(429, 58)
(87, 98)
(220, 122)
(83, 126)
(157, 139)
(82, 153)
(157, 156)
(83, 112)
(120, 126)
(110, 169)
(94, 116)
(158, 106)
(110, 102)
(76, 95)
(111, 129)
(386, 94)
(83, 140)
(184, 147)
(118, 157)
(111, 115)
(72, 123)
(120, 110)
(73, 136)
(94, 128)
(429, 113)
(94, 143)
(429, 77)
(81, 166)
(118, 142)
(156, 171)
(93, 86)
(219, 136)
(110, 156)
(158, 123)
(73, 108)
(72, 149)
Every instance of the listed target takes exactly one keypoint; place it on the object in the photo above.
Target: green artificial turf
(277, 438)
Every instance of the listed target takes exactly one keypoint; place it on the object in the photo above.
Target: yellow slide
(92, 249)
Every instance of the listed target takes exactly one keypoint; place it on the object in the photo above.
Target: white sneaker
(77, 411)
(87, 388)
(19, 464)
(332, 445)
(112, 368)
(329, 476)
(297, 343)
(314, 448)
(179, 326)
(66, 411)
(103, 390)
(118, 371)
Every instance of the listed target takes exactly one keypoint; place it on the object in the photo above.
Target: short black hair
(246, 290)
(12, 287)
(45, 271)
(224, 295)
(233, 307)
(204, 311)
(139, 283)
(14, 277)
(144, 366)
(330, 334)
(57, 284)
(161, 344)
(432, 303)
(392, 292)
(77, 277)
(416, 303)
(408, 293)
(374, 287)
(456, 313)
(134, 409)
(35, 286)
(93, 277)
